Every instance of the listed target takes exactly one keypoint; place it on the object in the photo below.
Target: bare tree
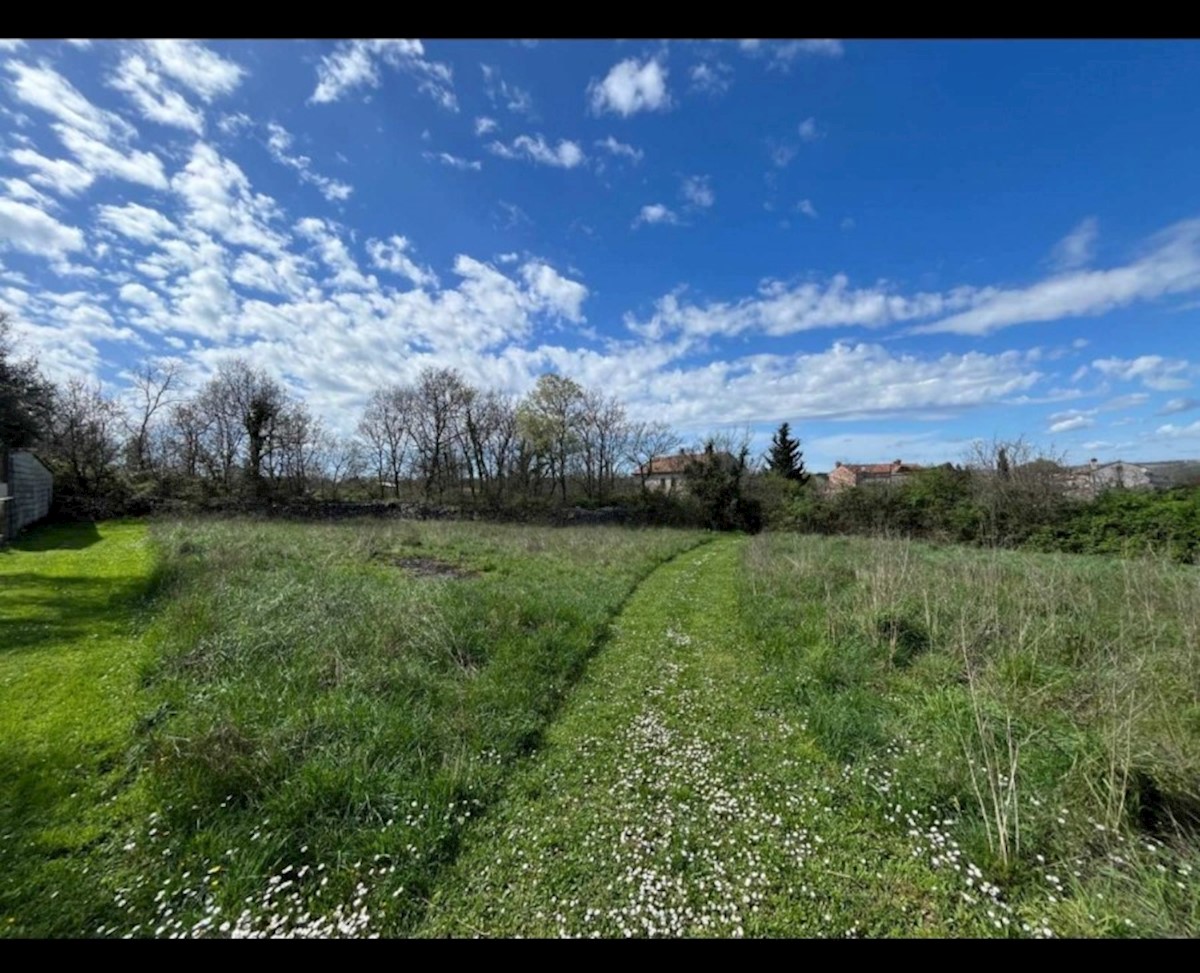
(441, 401)
(83, 441)
(490, 423)
(155, 385)
(1016, 485)
(387, 428)
(346, 460)
(647, 440)
(603, 435)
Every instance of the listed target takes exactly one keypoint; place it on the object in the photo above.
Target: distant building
(26, 489)
(847, 475)
(669, 473)
(1094, 477)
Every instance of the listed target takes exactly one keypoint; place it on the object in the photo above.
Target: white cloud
(780, 309)
(195, 66)
(697, 190)
(711, 78)
(21, 190)
(613, 147)
(60, 175)
(500, 92)
(1171, 431)
(143, 297)
(28, 229)
(102, 159)
(553, 292)
(44, 88)
(1171, 266)
(1077, 247)
(137, 222)
(1153, 371)
(353, 64)
(454, 161)
(655, 213)
(629, 87)
(219, 200)
(1175, 406)
(781, 54)
(806, 207)
(152, 98)
(566, 155)
(10, 43)
(483, 125)
(279, 140)
(1129, 401)
(808, 130)
(234, 123)
(1071, 420)
(392, 255)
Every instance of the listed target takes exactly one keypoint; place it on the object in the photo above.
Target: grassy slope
(70, 601)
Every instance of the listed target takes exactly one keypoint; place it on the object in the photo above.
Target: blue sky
(896, 246)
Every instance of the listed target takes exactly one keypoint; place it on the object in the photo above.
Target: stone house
(1094, 477)
(668, 473)
(26, 489)
(847, 475)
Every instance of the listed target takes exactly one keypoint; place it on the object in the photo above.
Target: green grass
(71, 600)
(237, 727)
(1050, 704)
(678, 797)
(313, 723)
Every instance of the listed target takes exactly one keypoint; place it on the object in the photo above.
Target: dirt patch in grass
(427, 567)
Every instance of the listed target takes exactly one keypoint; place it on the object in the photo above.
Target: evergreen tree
(785, 457)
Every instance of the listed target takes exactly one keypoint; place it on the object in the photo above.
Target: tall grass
(1053, 701)
(328, 706)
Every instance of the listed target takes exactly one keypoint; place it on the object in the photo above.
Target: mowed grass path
(70, 651)
(673, 798)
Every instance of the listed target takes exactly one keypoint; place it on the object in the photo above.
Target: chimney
(1092, 462)
(837, 464)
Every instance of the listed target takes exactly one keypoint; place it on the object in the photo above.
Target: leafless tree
(604, 436)
(387, 429)
(84, 437)
(1016, 484)
(155, 386)
(441, 401)
(647, 440)
(346, 459)
(490, 422)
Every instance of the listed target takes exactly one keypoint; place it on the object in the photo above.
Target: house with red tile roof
(669, 473)
(847, 475)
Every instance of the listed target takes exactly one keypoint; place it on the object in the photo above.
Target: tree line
(242, 435)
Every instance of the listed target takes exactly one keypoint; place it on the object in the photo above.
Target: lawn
(72, 602)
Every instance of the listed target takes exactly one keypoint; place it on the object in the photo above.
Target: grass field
(247, 728)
